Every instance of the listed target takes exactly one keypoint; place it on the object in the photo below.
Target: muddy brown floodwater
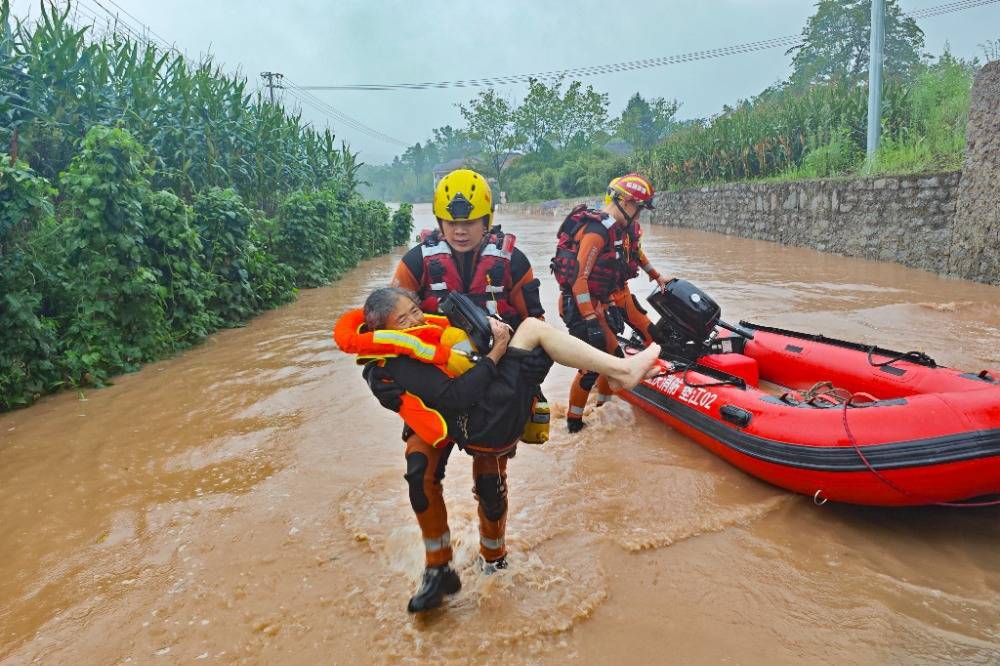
(244, 503)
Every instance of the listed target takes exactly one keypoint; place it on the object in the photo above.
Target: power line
(316, 102)
(736, 49)
(162, 41)
(949, 8)
(305, 97)
(748, 47)
(300, 95)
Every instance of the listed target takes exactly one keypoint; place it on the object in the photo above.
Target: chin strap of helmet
(628, 218)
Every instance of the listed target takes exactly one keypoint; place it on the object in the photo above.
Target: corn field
(776, 134)
(203, 127)
(146, 201)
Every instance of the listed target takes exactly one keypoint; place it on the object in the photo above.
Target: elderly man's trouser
(425, 466)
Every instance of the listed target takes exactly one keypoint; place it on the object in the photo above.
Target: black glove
(383, 387)
(615, 318)
(535, 366)
(595, 334)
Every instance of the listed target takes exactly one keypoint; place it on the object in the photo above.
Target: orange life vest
(437, 342)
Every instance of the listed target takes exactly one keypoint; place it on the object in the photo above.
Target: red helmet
(633, 186)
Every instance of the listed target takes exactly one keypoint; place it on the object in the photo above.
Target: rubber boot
(574, 425)
(435, 584)
(490, 568)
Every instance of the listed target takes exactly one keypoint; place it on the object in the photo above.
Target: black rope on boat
(820, 391)
(883, 479)
(725, 381)
(911, 356)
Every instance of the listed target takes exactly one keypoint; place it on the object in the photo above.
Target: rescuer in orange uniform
(470, 389)
(470, 255)
(597, 252)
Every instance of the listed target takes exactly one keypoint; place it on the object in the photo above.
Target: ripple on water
(526, 607)
(566, 498)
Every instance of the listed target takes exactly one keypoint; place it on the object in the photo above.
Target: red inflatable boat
(831, 419)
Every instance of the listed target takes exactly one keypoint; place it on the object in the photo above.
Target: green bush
(170, 177)
(245, 280)
(402, 224)
(273, 280)
(937, 110)
(27, 367)
(304, 239)
(176, 255)
(113, 301)
(839, 155)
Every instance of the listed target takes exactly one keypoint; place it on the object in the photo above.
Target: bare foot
(637, 368)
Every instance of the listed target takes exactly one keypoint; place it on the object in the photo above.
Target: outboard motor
(688, 317)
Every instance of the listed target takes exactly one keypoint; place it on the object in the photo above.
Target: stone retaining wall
(908, 220)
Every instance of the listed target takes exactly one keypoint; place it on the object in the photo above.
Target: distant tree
(643, 123)
(540, 112)
(416, 157)
(491, 121)
(836, 40)
(584, 115)
(549, 117)
(452, 143)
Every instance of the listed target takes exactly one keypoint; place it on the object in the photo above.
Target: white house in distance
(443, 169)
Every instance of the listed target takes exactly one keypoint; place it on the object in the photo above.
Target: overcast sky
(317, 42)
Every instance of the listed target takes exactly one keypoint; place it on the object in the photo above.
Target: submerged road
(244, 503)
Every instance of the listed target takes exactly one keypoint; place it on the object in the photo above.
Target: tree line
(562, 141)
(147, 201)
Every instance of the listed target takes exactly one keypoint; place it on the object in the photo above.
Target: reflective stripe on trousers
(444, 541)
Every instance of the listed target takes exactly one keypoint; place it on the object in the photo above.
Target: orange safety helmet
(633, 186)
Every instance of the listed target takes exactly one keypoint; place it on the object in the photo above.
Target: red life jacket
(491, 282)
(605, 276)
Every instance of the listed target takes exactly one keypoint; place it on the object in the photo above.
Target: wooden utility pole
(271, 78)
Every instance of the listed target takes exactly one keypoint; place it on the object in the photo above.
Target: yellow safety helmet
(463, 195)
(633, 186)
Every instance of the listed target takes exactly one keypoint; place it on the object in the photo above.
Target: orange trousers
(583, 382)
(637, 321)
(425, 467)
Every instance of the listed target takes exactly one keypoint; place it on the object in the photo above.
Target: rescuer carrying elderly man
(466, 383)
(470, 255)
(597, 252)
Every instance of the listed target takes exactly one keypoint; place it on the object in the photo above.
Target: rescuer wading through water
(467, 254)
